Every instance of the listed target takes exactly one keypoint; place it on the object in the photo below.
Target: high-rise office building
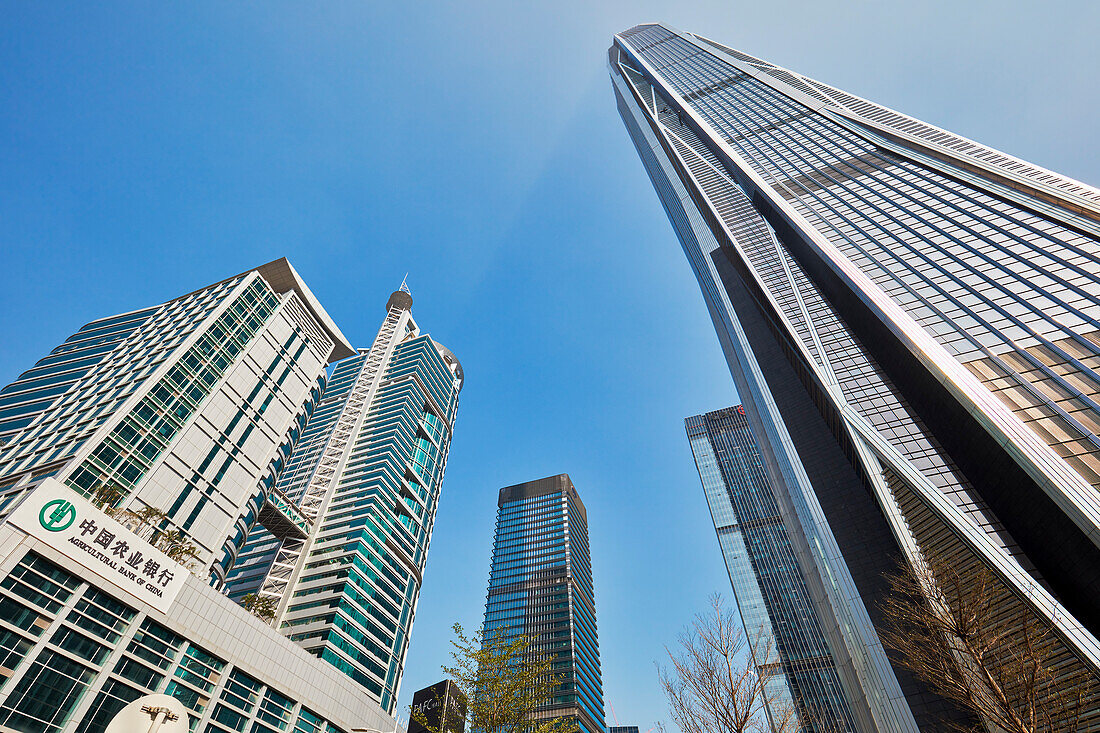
(136, 456)
(784, 634)
(540, 585)
(189, 400)
(366, 475)
(912, 321)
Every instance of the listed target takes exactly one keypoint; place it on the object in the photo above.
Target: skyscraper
(182, 407)
(173, 420)
(782, 628)
(366, 476)
(911, 320)
(540, 585)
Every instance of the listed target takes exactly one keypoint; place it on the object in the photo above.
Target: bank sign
(70, 524)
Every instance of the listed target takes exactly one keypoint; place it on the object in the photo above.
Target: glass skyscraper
(912, 321)
(189, 407)
(185, 412)
(785, 638)
(366, 476)
(540, 585)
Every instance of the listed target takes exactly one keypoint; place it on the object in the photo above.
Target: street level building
(170, 422)
(440, 708)
(912, 321)
(366, 477)
(789, 648)
(540, 585)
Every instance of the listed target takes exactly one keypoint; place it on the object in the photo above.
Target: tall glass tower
(174, 420)
(188, 407)
(366, 476)
(540, 585)
(912, 321)
(788, 646)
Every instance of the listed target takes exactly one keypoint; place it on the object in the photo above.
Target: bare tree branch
(963, 633)
(712, 688)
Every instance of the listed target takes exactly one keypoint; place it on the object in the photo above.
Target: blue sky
(147, 149)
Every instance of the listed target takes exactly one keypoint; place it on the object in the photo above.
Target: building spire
(401, 297)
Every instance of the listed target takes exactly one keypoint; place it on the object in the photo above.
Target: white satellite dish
(150, 714)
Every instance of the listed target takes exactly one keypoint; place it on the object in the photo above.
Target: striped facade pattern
(188, 407)
(367, 473)
(191, 408)
(540, 585)
(782, 628)
(939, 301)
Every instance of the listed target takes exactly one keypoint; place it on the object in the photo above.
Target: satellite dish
(150, 714)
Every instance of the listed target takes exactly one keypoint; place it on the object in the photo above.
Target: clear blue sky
(147, 149)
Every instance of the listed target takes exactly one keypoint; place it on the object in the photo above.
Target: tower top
(401, 299)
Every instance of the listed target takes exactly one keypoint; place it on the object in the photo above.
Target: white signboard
(70, 524)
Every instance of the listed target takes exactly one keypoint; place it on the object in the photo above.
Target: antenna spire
(404, 286)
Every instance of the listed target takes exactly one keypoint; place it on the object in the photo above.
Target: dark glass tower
(784, 633)
(440, 707)
(912, 321)
(540, 585)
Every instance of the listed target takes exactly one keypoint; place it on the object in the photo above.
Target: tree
(505, 680)
(262, 607)
(963, 633)
(106, 498)
(178, 546)
(713, 688)
(146, 523)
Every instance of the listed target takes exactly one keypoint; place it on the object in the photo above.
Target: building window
(45, 696)
(111, 699)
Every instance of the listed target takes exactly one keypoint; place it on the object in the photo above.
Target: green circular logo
(57, 515)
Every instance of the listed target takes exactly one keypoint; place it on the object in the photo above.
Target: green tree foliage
(177, 545)
(505, 681)
(146, 523)
(106, 498)
(262, 607)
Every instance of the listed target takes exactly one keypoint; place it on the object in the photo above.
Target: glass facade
(254, 560)
(77, 656)
(40, 387)
(188, 408)
(135, 443)
(540, 585)
(187, 412)
(784, 634)
(91, 376)
(904, 311)
(367, 474)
